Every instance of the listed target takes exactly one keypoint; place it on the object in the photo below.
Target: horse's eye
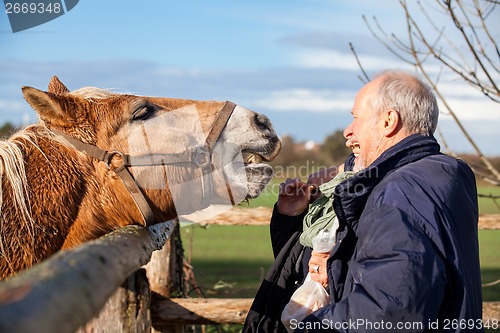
(143, 112)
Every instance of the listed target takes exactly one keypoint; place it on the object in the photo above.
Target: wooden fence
(83, 289)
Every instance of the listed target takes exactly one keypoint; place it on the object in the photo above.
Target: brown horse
(98, 161)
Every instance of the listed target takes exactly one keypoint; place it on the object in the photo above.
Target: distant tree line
(6, 130)
(333, 151)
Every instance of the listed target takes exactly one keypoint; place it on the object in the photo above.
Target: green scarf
(321, 213)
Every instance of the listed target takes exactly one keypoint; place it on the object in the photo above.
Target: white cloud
(465, 101)
(337, 60)
(307, 100)
(467, 109)
(468, 103)
(10, 105)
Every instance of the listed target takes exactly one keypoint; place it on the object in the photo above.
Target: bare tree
(427, 43)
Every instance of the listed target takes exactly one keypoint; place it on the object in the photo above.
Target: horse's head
(163, 144)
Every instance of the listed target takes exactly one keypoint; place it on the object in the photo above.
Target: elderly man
(406, 256)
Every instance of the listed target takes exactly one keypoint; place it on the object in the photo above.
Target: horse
(99, 160)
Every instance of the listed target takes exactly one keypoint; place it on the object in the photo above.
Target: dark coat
(407, 250)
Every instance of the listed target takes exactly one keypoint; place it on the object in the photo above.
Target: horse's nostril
(261, 122)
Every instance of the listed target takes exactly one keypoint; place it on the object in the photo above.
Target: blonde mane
(13, 171)
(93, 93)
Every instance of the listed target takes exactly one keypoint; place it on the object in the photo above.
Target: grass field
(487, 205)
(230, 261)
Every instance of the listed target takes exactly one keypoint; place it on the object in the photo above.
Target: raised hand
(294, 197)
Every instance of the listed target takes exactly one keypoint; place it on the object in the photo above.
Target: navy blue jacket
(407, 250)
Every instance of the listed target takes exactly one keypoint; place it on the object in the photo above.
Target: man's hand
(322, 176)
(294, 197)
(317, 267)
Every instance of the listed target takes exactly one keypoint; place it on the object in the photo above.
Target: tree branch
(365, 77)
(418, 59)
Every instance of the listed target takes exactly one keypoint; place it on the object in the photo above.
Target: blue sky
(287, 59)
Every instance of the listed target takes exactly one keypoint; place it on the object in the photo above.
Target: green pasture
(487, 205)
(230, 261)
(268, 196)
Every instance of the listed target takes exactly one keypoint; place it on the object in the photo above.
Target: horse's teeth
(253, 158)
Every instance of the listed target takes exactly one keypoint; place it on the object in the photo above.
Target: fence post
(127, 310)
(166, 278)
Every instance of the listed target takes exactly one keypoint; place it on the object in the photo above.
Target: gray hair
(412, 98)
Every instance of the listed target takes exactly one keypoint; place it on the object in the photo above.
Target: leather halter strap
(213, 135)
(200, 156)
(219, 123)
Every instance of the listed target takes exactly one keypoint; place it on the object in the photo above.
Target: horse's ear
(52, 108)
(57, 87)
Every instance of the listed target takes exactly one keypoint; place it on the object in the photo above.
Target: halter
(200, 156)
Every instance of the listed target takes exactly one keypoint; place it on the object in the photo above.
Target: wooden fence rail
(66, 291)
(262, 216)
(200, 311)
(206, 311)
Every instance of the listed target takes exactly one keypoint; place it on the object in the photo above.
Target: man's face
(364, 135)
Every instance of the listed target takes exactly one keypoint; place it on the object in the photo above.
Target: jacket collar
(352, 194)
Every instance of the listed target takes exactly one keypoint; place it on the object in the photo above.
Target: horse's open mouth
(252, 158)
(258, 173)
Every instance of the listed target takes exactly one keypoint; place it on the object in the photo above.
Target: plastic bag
(311, 295)
(325, 240)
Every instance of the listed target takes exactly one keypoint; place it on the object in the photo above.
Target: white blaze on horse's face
(160, 144)
(255, 138)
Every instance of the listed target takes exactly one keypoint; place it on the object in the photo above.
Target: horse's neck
(70, 198)
(39, 198)
(72, 195)
(57, 183)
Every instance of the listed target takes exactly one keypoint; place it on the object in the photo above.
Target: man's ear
(52, 109)
(392, 122)
(57, 87)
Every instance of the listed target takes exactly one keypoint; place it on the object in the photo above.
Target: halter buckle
(109, 157)
(201, 156)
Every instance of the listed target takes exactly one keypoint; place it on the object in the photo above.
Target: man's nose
(348, 131)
